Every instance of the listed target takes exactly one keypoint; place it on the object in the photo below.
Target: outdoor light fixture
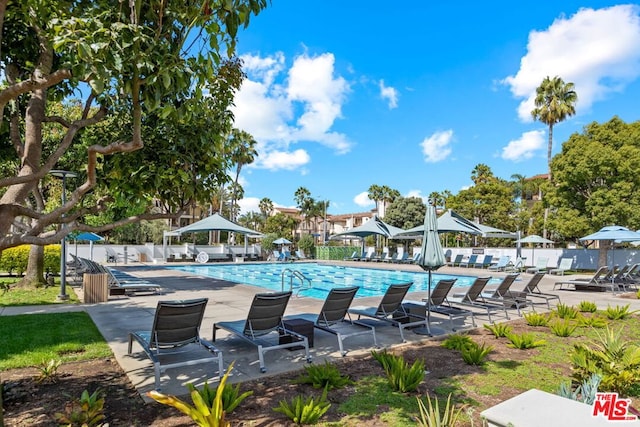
(58, 173)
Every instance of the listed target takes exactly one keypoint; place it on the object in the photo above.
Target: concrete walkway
(231, 301)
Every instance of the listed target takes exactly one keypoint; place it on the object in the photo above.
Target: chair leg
(156, 369)
(263, 368)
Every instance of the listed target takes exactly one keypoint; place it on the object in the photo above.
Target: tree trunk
(34, 276)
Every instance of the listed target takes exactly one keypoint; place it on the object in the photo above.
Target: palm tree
(376, 194)
(266, 207)
(243, 152)
(305, 203)
(555, 101)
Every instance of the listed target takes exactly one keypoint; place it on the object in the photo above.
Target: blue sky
(413, 95)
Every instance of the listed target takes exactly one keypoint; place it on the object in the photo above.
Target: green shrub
(536, 319)
(457, 342)
(323, 376)
(304, 410)
(88, 411)
(204, 415)
(612, 357)
(474, 354)
(307, 244)
(430, 415)
(564, 311)
(231, 396)
(14, 260)
(618, 312)
(591, 321)
(48, 371)
(587, 307)
(401, 376)
(563, 328)
(524, 341)
(499, 330)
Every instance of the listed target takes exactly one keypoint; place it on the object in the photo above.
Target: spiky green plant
(401, 376)
(48, 371)
(536, 319)
(457, 341)
(231, 396)
(499, 330)
(203, 414)
(323, 376)
(563, 328)
(618, 312)
(430, 415)
(585, 392)
(88, 411)
(303, 410)
(474, 354)
(591, 322)
(587, 307)
(613, 357)
(564, 311)
(524, 341)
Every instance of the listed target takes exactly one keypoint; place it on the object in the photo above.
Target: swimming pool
(318, 279)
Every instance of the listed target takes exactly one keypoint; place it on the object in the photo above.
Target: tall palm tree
(266, 207)
(376, 193)
(555, 101)
(243, 152)
(305, 203)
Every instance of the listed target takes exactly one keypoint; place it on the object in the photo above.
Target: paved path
(230, 301)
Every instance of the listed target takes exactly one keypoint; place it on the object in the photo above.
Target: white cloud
(597, 50)
(525, 147)
(416, 193)
(282, 107)
(389, 93)
(275, 160)
(249, 204)
(363, 200)
(436, 147)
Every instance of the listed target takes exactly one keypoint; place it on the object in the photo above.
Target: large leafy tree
(406, 212)
(135, 61)
(596, 178)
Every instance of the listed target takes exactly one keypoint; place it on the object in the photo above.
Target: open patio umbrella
(281, 241)
(431, 254)
(448, 222)
(616, 233)
(374, 226)
(87, 237)
(534, 238)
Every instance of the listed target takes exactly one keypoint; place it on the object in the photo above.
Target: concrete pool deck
(231, 301)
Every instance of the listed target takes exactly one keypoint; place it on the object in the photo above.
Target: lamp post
(324, 225)
(58, 173)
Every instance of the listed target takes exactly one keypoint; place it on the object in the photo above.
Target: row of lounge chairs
(615, 279)
(505, 264)
(402, 258)
(177, 323)
(119, 282)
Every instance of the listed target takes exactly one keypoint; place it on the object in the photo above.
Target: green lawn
(38, 296)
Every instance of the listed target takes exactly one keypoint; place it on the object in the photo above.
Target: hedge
(15, 260)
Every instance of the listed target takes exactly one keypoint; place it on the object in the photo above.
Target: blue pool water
(322, 277)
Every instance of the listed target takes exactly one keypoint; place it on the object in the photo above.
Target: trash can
(142, 257)
(95, 288)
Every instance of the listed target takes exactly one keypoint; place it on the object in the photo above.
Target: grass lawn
(35, 296)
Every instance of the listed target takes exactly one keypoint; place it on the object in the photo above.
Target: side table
(301, 326)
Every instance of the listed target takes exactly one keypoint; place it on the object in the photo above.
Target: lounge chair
(390, 310)
(502, 263)
(485, 263)
(470, 262)
(564, 265)
(503, 294)
(439, 303)
(367, 257)
(391, 258)
(595, 282)
(402, 258)
(413, 259)
(333, 317)
(531, 289)
(456, 261)
(265, 319)
(540, 267)
(176, 329)
(354, 257)
(473, 299)
(300, 255)
(516, 266)
(121, 283)
(384, 255)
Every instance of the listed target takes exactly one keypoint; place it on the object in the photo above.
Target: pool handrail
(297, 274)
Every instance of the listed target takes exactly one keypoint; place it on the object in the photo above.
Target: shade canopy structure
(492, 232)
(282, 241)
(431, 254)
(448, 222)
(374, 226)
(216, 222)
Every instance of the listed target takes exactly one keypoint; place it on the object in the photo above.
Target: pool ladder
(294, 274)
